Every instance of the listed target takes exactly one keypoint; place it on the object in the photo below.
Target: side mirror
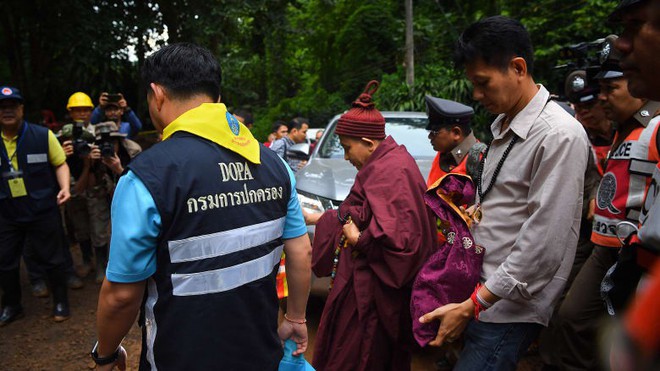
(298, 151)
(624, 230)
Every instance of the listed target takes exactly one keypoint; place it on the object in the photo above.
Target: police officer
(638, 45)
(582, 90)
(35, 180)
(199, 223)
(451, 135)
(619, 197)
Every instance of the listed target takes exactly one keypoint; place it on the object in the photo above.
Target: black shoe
(39, 289)
(10, 314)
(61, 312)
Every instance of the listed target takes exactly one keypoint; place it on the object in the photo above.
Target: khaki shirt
(531, 217)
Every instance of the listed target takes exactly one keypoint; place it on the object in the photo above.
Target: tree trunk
(410, 46)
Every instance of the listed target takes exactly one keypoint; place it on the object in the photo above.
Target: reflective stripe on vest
(649, 232)
(623, 187)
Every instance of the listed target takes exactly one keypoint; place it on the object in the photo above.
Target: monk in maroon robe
(389, 233)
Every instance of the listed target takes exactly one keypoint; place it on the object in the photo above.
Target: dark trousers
(35, 271)
(45, 233)
(551, 335)
(575, 345)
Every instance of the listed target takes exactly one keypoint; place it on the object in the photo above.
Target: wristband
(478, 307)
(104, 360)
(298, 322)
(483, 302)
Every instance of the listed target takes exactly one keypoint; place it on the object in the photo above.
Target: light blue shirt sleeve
(136, 225)
(294, 225)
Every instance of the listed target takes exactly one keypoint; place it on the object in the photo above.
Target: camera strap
(5, 154)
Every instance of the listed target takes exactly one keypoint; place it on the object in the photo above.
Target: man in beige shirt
(529, 205)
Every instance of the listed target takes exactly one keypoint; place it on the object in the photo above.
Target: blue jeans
(495, 346)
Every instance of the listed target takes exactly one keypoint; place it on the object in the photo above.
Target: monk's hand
(453, 319)
(351, 232)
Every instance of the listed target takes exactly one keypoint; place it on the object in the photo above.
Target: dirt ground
(35, 342)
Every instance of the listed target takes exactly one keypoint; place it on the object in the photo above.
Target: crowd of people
(546, 235)
(81, 164)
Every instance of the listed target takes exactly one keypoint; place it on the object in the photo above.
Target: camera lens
(107, 149)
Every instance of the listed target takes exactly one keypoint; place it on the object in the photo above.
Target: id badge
(17, 187)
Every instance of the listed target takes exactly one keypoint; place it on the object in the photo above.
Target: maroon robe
(366, 322)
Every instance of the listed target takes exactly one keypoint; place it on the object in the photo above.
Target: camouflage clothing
(90, 215)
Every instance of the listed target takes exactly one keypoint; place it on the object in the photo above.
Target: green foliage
(280, 58)
(435, 80)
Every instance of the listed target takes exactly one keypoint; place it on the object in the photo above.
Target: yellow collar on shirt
(212, 121)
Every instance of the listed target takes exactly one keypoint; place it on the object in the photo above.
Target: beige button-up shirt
(531, 217)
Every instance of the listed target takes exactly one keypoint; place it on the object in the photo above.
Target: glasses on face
(433, 133)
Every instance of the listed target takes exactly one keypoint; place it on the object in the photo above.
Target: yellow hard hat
(79, 99)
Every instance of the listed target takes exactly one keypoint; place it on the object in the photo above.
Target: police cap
(609, 59)
(444, 112)
(624, 6)
(579, 88)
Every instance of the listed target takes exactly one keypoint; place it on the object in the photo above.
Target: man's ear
(369, 143)
(519, 66)
(456, 132)
(159, 95)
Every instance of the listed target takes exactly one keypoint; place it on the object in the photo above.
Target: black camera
(582, 55)
(113, 98)
(107, 148)
(80, 145)
(105, 141)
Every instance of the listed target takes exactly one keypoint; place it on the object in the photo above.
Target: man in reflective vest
(620, 196)
(199, 222)
(35, 181)
(640, 63)
(451, 136)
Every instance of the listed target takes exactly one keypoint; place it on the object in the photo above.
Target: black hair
(276, 126)
(297, 123)
(495, 40)
(464, 125)
(184, 70)
(246, 115)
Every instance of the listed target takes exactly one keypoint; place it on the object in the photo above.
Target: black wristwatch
(104, 360)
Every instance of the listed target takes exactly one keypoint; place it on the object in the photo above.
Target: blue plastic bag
(291, 363)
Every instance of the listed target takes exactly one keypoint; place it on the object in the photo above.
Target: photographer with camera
(89, 216)
(101, 168)
(115, 108)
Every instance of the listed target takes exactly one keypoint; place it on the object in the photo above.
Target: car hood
(333, 178)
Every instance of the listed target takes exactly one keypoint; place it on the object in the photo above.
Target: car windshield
(409, 131)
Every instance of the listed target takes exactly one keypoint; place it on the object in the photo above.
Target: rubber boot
(58, 282)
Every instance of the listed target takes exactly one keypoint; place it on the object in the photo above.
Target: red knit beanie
(363, 120)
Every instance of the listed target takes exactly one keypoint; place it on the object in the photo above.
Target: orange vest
(437, 172)
(623, 187)
(600, 152)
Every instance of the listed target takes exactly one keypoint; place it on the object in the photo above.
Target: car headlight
(315, 204)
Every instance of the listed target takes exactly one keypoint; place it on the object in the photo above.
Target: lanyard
(5, 155)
